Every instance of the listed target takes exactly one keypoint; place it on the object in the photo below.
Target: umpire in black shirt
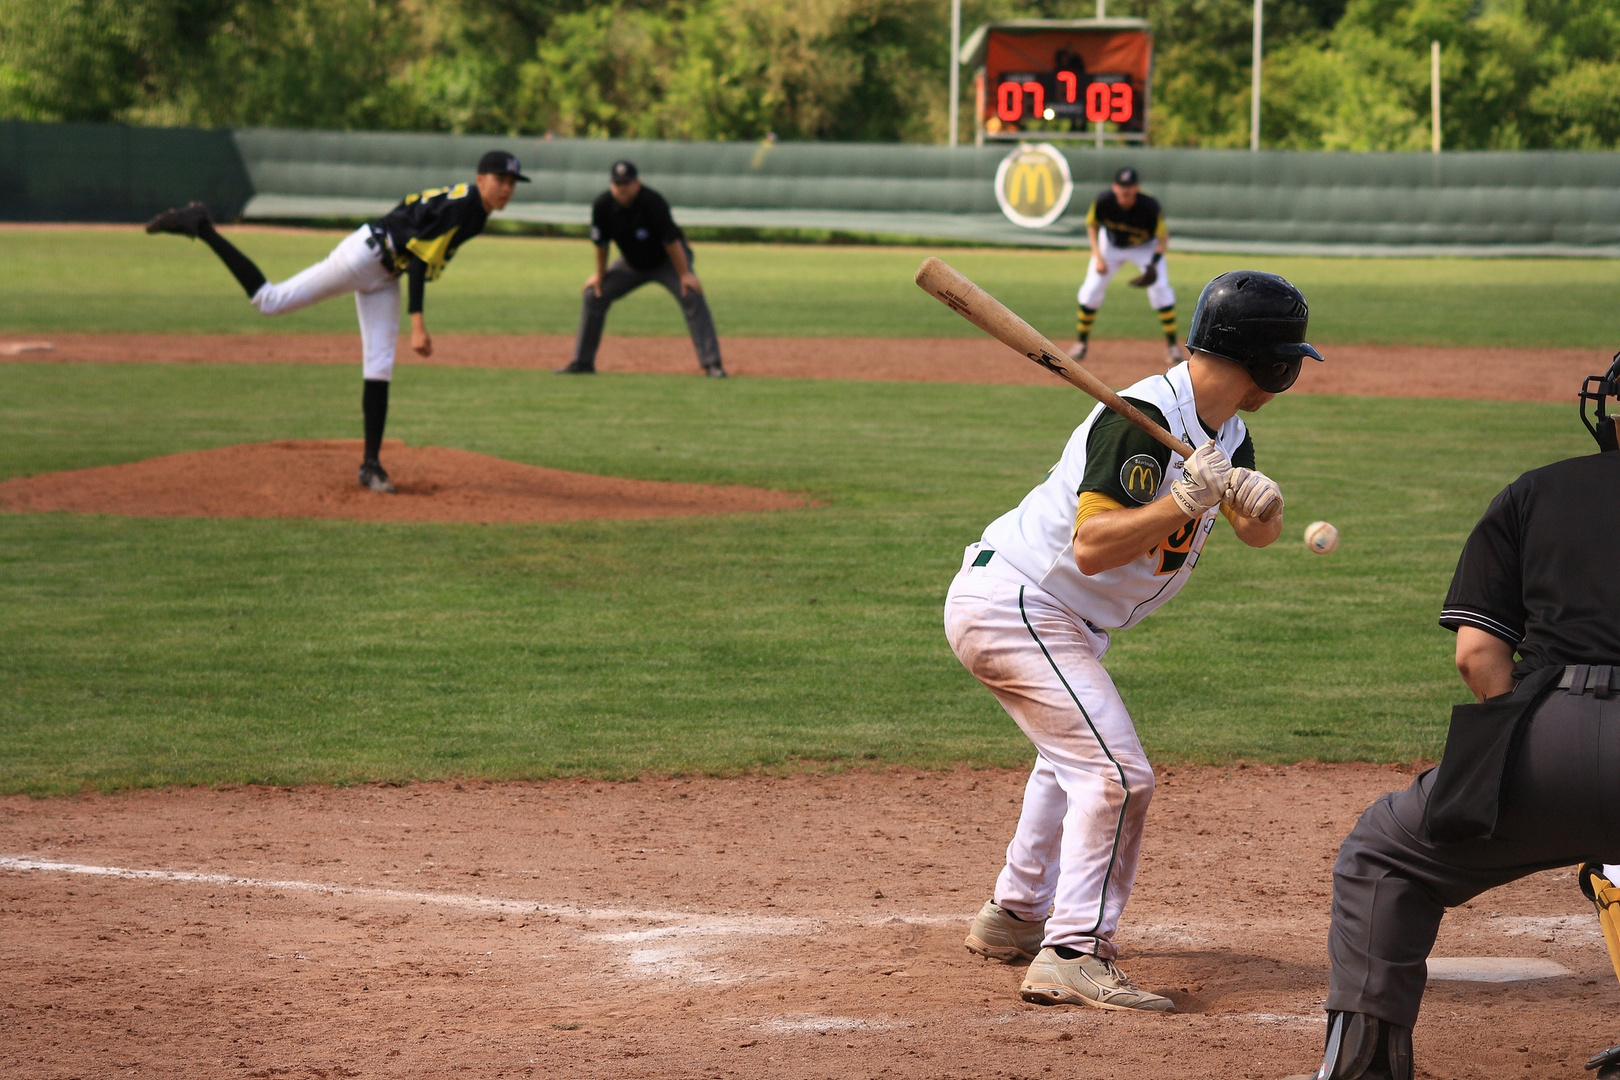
(651, 248)
(1530, 775)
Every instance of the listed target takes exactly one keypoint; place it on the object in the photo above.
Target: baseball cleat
(1077, 351)
(1174, 354)
(716, 372)
(1086, 980)
(185, 221)
(375, 477)
(575, 369)
(996, 934)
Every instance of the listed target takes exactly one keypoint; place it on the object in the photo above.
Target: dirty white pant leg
(1041, 663)
(1029, 880)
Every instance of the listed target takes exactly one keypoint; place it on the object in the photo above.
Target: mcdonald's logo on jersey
(1033, 185)
(1140, 477)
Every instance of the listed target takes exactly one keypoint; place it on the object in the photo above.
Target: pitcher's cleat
(1086, 980)
(373, 476)
(185, 221)
(997, 934)
(1077, 351)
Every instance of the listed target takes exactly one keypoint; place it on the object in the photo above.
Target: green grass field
(106, 280)
(142, 652)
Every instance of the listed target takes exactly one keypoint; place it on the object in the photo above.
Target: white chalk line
(721, 923)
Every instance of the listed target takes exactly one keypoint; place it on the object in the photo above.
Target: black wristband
(1157, 255)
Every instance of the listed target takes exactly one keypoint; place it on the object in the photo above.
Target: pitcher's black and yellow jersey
(1128, 228)
(431, 225)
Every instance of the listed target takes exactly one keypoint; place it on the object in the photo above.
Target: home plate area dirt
(798, 926)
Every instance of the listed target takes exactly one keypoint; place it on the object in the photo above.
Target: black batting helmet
(1598, 389)
(1256, 320)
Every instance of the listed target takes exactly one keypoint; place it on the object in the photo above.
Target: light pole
(1434, 91)
(1254, 92)
(956, 63)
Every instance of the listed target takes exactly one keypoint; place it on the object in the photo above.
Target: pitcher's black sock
(374, 402)
(238, 264)
(1067, 953)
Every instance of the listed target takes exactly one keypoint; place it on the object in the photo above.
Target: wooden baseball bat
(947, 285)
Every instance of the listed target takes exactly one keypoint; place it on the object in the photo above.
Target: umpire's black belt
(1598, 678)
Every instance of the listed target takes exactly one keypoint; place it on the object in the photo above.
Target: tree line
(1337, 75)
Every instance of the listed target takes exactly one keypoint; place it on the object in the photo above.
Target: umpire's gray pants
(1391, 883)
(622, 278)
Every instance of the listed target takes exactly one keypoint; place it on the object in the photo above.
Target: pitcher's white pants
(354, 266)
(1079, 835)
(1095, 287)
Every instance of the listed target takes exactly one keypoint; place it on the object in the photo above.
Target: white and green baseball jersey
(1109, 455)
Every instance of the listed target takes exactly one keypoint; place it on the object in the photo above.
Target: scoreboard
(1062, 78)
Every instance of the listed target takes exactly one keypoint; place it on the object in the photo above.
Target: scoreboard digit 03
(1062, 78)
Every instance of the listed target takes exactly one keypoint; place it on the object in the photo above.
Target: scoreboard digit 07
(1062, 78)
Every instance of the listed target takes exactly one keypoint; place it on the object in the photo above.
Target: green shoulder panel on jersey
(1243, 456)
(1128, 465)
(1123, 461)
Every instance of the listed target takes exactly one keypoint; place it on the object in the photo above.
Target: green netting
(1485, 203)
(108, 172)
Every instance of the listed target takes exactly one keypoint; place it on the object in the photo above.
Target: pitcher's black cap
(622, 172)
(499, 161)
(1127, 177)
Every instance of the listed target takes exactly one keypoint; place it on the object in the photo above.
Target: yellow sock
(1167, 321)
(1083, 321)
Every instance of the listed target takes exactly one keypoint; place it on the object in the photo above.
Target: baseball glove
(1145, 278)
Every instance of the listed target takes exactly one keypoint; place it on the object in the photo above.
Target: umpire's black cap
(622, 172)
(499, 161)
(1127, 177)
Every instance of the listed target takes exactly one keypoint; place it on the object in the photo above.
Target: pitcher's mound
(316, 479)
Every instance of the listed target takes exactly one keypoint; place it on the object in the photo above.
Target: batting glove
(1203, 480)
(1252, 493)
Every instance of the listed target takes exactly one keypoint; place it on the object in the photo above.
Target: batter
(1127, 226)
(1113, 532)
(417, 238)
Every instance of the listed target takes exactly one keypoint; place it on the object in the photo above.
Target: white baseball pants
(1079, 835)
(1095, 287)
(354, 266)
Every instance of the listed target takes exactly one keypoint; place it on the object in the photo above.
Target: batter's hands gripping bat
(978, 307)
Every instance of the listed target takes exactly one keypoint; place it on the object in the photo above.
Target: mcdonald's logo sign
(1033, 185)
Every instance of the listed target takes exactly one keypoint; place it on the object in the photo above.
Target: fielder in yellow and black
(1127, 226)
(415, 239)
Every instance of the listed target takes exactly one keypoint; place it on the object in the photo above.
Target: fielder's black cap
(1127, 177)
(499, 161)
(623, 172)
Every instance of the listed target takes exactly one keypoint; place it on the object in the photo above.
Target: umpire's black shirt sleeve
(1487, 590)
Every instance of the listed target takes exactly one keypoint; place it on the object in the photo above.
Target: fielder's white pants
(1095, 287)
(1079, 834)
(354, 266)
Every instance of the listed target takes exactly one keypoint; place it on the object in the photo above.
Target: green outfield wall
(1489, 203)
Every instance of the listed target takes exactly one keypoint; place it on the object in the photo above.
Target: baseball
(1321, 537)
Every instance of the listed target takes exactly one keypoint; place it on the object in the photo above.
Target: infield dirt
(1376, 370)
(797, 926)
